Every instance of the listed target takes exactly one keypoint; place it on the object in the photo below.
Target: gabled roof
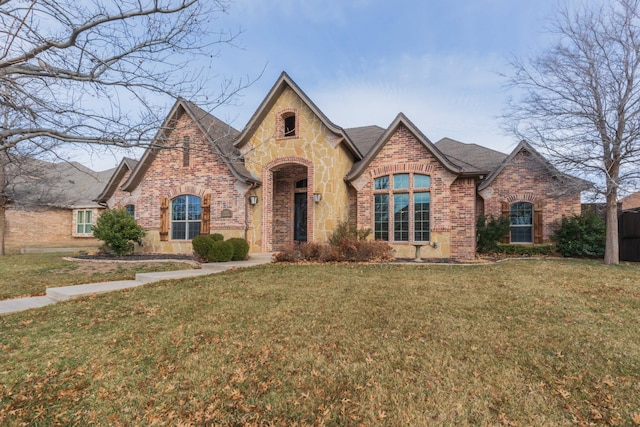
(471, 157)
(35, 183)
(365, 137)
(525, 146)
(126, 165)
(218, 134)
(401, 120)
(283, 82)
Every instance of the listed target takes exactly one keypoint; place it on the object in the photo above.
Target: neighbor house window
(131, 210)
(186, 214)
(84, 222)
(521, 216)
(407, 195)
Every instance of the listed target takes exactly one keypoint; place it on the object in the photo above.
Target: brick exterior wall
(121, 198)
(454, 234)
(526, 180)
(463, 219)
(51, 228)
(285, 179)
(168, 177)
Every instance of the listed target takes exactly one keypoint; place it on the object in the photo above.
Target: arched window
(521, 216)
(287, 124)
(186, 214)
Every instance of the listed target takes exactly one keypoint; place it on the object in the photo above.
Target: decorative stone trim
(527, 197)
(401, 168)
(186, 189)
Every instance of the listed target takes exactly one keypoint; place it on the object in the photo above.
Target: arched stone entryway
(287, 215)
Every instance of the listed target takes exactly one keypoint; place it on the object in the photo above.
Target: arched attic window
(287, 124)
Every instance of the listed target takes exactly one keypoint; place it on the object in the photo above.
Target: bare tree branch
(101, 73)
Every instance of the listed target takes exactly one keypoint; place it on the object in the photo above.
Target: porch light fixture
(317, 197)
(253, 200)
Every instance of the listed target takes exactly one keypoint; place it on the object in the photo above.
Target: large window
(186, 214)
(521, 216)
(407, 196)
(84, 222)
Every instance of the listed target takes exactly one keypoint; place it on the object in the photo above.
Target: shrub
(118, 230)
(350, 250)
(525, 250)
(220, 251)
(202, 245)
(581, 235)
(240, 248)
(489, 232)
(345, 230)
(217, 237)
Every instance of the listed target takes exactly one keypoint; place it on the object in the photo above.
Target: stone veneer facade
(315, 154)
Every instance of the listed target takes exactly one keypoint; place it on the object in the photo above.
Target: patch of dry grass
(32, 274)
(523, 343)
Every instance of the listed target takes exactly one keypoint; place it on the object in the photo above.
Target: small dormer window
(287, 124)
(290, 125)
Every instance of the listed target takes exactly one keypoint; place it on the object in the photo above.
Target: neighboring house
(631, 202)
(51, 205)
(293, 175)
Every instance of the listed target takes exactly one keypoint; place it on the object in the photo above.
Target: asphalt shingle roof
(471, 157)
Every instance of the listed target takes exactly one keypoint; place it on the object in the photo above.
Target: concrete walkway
(69, 292)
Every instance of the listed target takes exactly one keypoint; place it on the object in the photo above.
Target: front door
(300, 217)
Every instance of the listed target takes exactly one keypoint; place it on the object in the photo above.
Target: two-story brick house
(293, 175)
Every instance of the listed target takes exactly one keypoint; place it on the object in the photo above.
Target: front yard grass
(518, 343)
(30, 274)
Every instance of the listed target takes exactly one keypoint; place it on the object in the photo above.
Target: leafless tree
(100, 73)
(579, 101)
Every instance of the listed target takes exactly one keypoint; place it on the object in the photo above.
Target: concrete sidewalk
(69, 292)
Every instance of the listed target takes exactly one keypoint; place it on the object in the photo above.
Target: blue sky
(364, 61)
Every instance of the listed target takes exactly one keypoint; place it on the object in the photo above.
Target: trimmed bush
(220, 251)
(217, 237)
(581, 235)
(201, 246)
(489, 232)
(525, 250)
(240, 248)
(118, 230)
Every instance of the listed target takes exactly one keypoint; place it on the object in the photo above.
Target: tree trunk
(612, 248)
(3, 201)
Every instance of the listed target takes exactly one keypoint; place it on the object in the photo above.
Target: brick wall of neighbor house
(206, 174)
(527, 181)
(49, 228)
(632, 201)
(403, 153)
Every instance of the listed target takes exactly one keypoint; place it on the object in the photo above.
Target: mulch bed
(134, 257)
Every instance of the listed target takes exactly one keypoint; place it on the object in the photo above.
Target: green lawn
(526, 343)
(32, 274)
